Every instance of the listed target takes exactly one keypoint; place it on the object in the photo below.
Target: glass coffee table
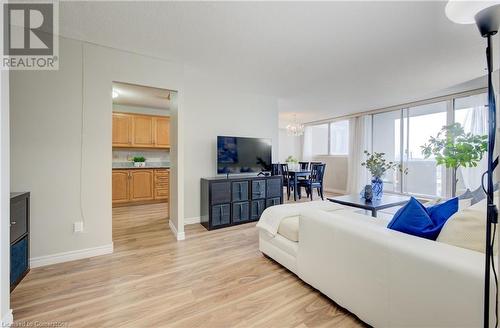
(355, 200)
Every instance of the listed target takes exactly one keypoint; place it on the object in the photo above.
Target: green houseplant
(139, 161)
(377, 165)
(454, 148)
(291, 160)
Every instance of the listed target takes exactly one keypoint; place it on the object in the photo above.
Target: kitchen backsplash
(150, 155)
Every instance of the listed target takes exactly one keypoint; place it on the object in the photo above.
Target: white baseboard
(36, 262)
(178, 235)
(193, 220)
(7, 320)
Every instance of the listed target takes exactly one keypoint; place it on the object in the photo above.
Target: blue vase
(377, 188)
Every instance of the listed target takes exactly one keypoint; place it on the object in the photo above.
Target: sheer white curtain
(472, 114)
(359, 141)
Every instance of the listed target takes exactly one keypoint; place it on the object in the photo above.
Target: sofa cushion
(467, 229)
(289, 228)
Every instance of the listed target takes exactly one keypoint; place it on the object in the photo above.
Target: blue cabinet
(19, 237)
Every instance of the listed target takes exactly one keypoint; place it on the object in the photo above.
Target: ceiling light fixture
(295, 129)
(486, 15)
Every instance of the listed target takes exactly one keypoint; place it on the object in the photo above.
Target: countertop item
(149, 165)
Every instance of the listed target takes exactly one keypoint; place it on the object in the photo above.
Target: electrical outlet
(78, 226)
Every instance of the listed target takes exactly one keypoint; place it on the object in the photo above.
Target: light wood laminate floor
(211, 279)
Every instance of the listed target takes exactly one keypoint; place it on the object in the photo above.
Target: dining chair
(275, 169)
(304, 165)
(286, 179)
(315, 181)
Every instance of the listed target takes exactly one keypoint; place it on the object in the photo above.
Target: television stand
(227, 201)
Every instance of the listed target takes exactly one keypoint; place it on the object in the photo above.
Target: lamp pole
(486, 15)
(492, 213)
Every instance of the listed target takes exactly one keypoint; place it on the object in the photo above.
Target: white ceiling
(321, 59)
(137, 95)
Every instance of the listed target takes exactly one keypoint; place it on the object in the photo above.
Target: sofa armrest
(388, 278)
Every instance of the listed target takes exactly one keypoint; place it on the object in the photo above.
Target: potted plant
(139, 161)
(377, 165)
(454, 148)
(291, 160)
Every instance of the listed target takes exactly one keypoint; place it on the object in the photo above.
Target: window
(423, 122)
(472, 113)
(339, 138)
(319, 139)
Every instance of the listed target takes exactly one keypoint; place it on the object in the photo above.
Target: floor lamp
(486, 15)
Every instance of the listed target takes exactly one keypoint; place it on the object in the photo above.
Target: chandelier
(295, 129)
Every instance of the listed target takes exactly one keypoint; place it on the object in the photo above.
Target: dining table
(294, 173)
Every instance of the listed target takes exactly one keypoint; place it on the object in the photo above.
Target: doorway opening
(141, 165)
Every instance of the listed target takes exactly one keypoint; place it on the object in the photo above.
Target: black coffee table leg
(374, 213)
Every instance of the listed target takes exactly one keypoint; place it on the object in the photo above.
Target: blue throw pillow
(413, 219)
(440, 213)
(416, 220)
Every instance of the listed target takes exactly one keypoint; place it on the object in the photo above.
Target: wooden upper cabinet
(121, 191)
(143, 135)
(141, 185)
(122, 130)
(141, 131)
(162, 129)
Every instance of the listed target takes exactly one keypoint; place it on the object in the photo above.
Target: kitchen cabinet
(143, 135)
(141, 131)
(162, 128)
(121, 193)
(122, 130)
(140, 185)
(161, 184)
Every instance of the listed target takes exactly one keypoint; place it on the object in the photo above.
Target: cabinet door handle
(13, 222)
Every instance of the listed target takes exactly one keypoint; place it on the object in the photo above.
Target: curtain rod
(404, 105)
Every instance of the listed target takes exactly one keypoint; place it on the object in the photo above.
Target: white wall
(211, 110)
(46, 118)
(289, 146)
(46, 121)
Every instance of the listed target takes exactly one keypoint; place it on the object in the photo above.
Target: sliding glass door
(423, 122)
(472, 113)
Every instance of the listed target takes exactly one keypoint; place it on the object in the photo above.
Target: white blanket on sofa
(271, 218)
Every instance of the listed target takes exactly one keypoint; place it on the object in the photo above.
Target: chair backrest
(317, 172)
(284, 170)
(304, 165)
(275, 169)
(315, 163)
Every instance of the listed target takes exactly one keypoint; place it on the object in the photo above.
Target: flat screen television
(243, 155)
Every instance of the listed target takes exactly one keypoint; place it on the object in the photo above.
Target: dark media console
(240, 199)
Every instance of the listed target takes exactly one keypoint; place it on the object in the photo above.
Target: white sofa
(386, 278)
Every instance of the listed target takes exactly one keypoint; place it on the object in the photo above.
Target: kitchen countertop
(130, 166)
